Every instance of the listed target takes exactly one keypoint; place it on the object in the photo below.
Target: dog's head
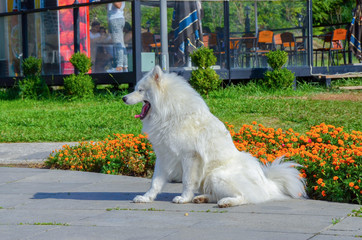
(145, 91)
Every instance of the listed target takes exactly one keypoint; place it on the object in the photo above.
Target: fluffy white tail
(286, 176)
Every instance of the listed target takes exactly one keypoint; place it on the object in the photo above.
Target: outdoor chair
(333, 44)
(206, 40)
(326, 39)
(216, 45)
(247, 50)
(337, 45)
(147, 39)
(278, 41)
(291, 47)
(264, 44)
(234, 45)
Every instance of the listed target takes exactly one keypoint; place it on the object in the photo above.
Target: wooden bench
(328, 78)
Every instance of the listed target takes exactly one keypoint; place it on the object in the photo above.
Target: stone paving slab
(55, 204)
(26, 153)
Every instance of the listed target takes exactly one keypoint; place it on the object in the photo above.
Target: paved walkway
(53, 204)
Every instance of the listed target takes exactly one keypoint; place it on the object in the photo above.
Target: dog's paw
(200, 199)
(180, 199)
(224, 203)
(141, 199)
(231, 202)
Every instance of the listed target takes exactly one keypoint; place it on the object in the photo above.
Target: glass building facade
(239, 32)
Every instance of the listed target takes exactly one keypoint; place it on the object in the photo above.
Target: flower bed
(123, 154)
(331, 157)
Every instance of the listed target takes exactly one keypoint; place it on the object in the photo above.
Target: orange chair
(278, 41)
(337, 45)
(206, 39)
(264, 44)
(235, 44)
(334, 43)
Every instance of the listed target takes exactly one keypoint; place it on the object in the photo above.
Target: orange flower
(315, 188)
(335, 178)
(324, 193)
(351, 184)
(320, 180)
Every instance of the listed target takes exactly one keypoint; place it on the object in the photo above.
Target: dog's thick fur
(194, 147)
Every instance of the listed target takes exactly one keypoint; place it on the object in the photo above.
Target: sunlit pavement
(55, 204)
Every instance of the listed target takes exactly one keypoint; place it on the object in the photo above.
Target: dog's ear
(157, 73)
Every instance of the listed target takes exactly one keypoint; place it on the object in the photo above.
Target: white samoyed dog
(193, 146)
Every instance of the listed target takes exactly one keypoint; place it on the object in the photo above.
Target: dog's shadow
(100, 196)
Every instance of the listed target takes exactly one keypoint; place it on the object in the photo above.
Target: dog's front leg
(158, 181)
(189, 179)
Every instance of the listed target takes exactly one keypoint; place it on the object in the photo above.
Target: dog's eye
(140, 90)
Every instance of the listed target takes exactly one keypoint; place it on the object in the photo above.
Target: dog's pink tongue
(137, 116)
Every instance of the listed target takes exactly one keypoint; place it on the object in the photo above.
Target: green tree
(332, 11)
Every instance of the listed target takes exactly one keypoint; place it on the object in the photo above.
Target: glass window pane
(150, 34)
(186, 21)
(213, 30)
(49, 35)
(10, 46)
(257, 27)
(111, 37)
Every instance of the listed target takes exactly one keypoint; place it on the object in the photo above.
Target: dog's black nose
(124, 99)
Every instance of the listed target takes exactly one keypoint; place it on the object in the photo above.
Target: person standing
(116, 22)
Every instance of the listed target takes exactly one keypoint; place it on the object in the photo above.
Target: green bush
(203, 57)
(79, 85)
(31, 66)
(276, 59)
(81, 62)
(279, 78)
(204, 79)
(32, 86)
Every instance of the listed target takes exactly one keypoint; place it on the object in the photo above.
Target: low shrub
(32, 86)
(331, 158)
(79, 85)
(31, 66)
(204, 79)
(81, 62)
(277, 59)
(279, 78)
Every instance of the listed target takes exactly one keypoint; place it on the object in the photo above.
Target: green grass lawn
(61, 120)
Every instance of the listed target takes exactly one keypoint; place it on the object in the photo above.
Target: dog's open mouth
(146, 107)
